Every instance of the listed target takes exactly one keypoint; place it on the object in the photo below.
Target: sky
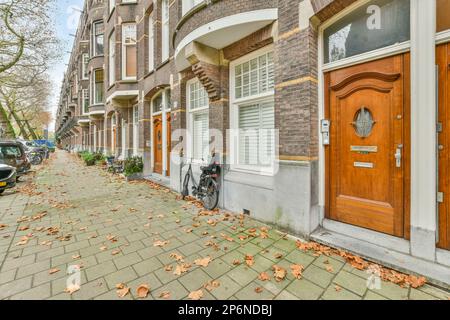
(66, 19)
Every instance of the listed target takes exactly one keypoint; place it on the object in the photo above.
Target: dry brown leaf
(177, 257)
(168, 268)
(54, 270)
(337, 288)
(210, 285)
(142, 291)
(23, 228)
(278, 255)
(203, 262)
(297, 270)
(123, 292)
(160, 243)
(264, 276)
(3, 226)
(181, 268)
(329, 268)
(196, 295)
(249, 260)
(72, 288)
(75, 257)
(165, 295)
(236, 262)
(115, 252)
(279, 273)
(259, 289)
(103, 248)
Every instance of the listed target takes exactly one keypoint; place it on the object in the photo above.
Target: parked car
(50, 145)
(13, 153)
(35, 153)
(7, 177)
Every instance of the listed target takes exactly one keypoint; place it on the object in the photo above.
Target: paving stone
(249, 248)
(14, 287)
(91, 290)
(351, 282)
(7, 276)
(216, 268)
(415, 294)
(122, 276)
(305, 290)
(194, 280)
(393, 291)
(33, 268)
(249, 293)
(37, 293)
(175, 288)
(127, 260)
(299, 257)
(226, 289)
(100, 270)
(370, 295)
(318, 276)
(285, 295)
(438, 293)
(147, 266)
(342, 294)
(243, 275)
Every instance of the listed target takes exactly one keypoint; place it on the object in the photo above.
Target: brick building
(323, 112)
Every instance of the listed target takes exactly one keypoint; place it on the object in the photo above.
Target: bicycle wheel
(211, 197)
(185, 190)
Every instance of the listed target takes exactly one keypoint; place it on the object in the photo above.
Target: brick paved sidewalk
(110, 227)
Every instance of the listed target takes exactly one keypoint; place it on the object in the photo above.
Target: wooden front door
(443, 62)
(158, 144)
(367, 161)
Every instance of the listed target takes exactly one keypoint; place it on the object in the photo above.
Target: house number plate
(364, 149)
(368, 165)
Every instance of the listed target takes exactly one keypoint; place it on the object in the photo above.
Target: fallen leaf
(23, 241)
(236, 262)
(258, 289)
(278, 255)
(181, 268)
(203, 262)
(52, 271)
(72, 288)
(165, 295)
(160, 243)
(115, 252)
(177, 257)
(75, 257)
(297, 270)
(3, 226)
(168, 268)
(23, 228)
(103, 248)
(196, 295)
(210, 285)
(249, 260)
(337, 288)
(142, 291)
(264, 276)
(279, 273)
(123, 292)
(329, 268)
(111, 238)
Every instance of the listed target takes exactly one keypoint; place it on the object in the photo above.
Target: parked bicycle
(207, 189)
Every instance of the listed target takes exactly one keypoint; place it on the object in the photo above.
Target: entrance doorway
(367, 161)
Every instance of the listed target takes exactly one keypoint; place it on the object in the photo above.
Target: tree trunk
(6, 128)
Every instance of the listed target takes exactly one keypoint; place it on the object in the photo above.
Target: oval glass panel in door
(363, 122)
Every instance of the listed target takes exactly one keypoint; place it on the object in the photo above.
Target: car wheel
(1, 191)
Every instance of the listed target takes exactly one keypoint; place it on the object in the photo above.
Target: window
(442, 19)
(135, 130)
(256, 134)
(165, 30)
(198, 124)
(189, 4)
(161, 101)
(84, 67)
(129, 66)
(253, 111)
(98, 86)
(112, 4)
(157, 103)
(377, 24)
(255, 76)
(151, 39)
(112, 59)
(97, 44)
(85, 101)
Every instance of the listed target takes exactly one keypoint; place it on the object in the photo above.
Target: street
(137, 240)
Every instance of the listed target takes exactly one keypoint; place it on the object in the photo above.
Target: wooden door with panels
(158, 144)
(367, 161)
(443, 128)
(169, 142)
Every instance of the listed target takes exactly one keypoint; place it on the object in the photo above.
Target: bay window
(97, 39)
(98, 86)
(112, 59)
(253, 111)
(165, 36)
(129, 51)
(198, 120)
(151, 39)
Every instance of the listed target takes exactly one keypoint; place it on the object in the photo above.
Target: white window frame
(85, 92)
(187, 5)
(112, 5)
(124, 48)
(151, 43)
(84, 66)
(165, 34)
(112, 58)
(135, 130)
(94, 92)
(190, 121)
(94, 38)
(264, 97)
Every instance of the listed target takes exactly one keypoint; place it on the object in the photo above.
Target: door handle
(398, 156)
